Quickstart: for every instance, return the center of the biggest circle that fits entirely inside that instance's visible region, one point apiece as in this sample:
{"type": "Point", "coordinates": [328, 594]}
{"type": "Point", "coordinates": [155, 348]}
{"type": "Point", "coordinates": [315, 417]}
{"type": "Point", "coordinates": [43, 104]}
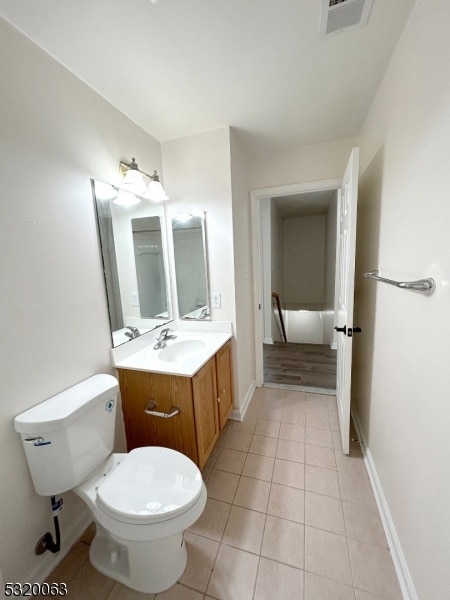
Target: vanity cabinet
{"type": "Point", "coordinates": [224, 383]}
{"type": "Point", "coordinates": [205, 401]}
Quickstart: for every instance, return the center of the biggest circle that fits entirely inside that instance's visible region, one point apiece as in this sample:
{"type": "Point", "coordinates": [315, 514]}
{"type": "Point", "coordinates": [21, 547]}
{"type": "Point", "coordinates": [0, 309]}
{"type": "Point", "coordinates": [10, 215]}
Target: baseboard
{"type": "Point", "coordinates": [50, 561]}
{"type": "Point", "coordinates": [268, 340]}
{"type": "Point", "coordinates": [238, 414]}
{"type": "Point", "coordinates": [401, 567]}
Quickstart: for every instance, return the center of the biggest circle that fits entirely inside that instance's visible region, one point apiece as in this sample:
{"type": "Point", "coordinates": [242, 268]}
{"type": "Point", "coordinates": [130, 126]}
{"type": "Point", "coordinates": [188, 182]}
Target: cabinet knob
{"type": "Point", "coordinates": [223, 392]}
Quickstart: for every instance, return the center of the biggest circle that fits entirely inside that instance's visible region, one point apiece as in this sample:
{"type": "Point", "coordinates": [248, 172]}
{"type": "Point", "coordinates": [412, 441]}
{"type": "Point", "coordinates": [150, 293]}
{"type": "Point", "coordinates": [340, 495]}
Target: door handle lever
{"type": "Point", "coordinates": [342, 329]}
{"type": "Point", "coordinates": [350, 330]}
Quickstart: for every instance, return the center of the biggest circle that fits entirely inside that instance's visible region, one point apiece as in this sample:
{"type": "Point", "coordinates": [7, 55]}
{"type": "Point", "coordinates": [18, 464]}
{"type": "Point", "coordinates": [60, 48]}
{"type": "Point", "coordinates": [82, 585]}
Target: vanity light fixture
{"type": "Point", "coordinates": [134, 182]}
{"type": "Point", "coordinates": [155, 190]}
{"type": "Point", "coordinates": [125, 198]}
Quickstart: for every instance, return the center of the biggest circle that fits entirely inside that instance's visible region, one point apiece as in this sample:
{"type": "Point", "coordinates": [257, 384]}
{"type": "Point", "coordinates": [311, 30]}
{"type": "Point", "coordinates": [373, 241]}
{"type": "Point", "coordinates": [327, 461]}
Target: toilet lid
{"type": "Point", "coordinates": [150, 484]}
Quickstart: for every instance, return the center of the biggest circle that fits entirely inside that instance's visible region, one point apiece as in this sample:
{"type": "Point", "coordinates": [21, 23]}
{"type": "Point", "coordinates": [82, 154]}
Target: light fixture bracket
{"type": "Point", "coordinates": [124, 167]}
{"type": "Point", "coordinates": [157, 194]}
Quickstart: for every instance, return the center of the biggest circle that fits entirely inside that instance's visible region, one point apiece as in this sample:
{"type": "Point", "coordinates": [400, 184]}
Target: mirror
{"type": "Point", "coordinates": [133, 247]}
{"type": "Point", "coordinates": [149, 261]}
{"type": "Point", "coordinates": [191, 272]}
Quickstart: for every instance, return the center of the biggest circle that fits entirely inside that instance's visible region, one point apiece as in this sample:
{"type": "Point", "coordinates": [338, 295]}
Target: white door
{"type": "Point", "coordinates": [345, 329]}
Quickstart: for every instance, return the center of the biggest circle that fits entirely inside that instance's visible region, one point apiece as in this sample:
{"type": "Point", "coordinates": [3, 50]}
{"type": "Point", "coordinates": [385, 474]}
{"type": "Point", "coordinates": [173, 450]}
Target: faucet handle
{"type": "Point", "coordinates": [165, 334]}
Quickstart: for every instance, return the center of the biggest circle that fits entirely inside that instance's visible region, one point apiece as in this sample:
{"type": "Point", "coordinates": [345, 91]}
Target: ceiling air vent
{"type": "Point", "coordinates": [340, 14]}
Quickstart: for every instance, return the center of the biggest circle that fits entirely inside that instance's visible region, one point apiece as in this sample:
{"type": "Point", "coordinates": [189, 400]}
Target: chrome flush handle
{"type": "Point", "coordinates": [37, 441]}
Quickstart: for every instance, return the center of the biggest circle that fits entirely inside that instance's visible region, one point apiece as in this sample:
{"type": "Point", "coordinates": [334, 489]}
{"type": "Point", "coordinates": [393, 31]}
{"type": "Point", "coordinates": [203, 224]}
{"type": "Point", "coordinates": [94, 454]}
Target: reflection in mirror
{"type": "Point", "coordinates": [134, 254]}
{"type": "Point", "coordinates": [149, 260]}
{"type": "Point", "coordinates": [191, 269]}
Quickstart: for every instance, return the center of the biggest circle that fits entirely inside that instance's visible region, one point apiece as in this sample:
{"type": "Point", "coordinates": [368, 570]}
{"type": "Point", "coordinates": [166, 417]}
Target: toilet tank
{"type": "Point", "coordinates": [66, 437]}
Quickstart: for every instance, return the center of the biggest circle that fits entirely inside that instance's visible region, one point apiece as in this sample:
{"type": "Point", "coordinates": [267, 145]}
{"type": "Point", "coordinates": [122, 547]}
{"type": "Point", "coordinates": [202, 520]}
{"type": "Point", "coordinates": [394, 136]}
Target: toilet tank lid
{"type": "Point", "coordinates": [60, 410]}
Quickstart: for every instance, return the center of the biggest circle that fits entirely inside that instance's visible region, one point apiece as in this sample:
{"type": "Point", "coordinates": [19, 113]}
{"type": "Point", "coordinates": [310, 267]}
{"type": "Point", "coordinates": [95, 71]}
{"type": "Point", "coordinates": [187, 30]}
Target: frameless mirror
{"type": "Point", "coordinates": [149, 261]}
{"type": "Point", "coordinates": [133, 247]}
{"type": "Point", "coordinates": [191, 267]}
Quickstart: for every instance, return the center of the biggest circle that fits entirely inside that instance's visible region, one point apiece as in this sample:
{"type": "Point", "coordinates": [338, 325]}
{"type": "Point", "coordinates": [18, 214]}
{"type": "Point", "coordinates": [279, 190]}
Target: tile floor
{"type": "Point", "coordinates": [288, 516]}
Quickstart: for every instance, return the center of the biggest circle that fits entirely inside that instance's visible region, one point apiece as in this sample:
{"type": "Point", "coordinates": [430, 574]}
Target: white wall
{"type": "Point", "coordinates": [278, 166]}
{"type": "Point", "coordinates": [275, 262]}
{"type": "Point", "coordinates": [245, 334]}
{"type": "Point", "coordinates": [206, 172]}
{"type": "Point", "coordinates": [307, 283]}
{"type": "Point", "coordinates": [330, 270]}
{"type": "Point", "coordinates": [304, 261]}
{"type": "Point", "coordinates": [56, 134]}
{"type": "Point", "coordinates": [401, 381]}
{"type": "Point", "coordinates": [198, 178]}
{"type": "Point", "coordinates": [266, 224]}
{"type": "Point", "coordinates": [330, 253]}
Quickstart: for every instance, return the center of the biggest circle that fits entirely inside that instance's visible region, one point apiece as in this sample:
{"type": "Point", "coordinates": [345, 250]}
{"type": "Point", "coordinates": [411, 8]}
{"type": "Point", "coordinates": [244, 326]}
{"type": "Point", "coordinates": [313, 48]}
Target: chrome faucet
{"type": "Point", "coordinates": [133, 333]}
{"type": "Point", "coordinates": [163, 337]}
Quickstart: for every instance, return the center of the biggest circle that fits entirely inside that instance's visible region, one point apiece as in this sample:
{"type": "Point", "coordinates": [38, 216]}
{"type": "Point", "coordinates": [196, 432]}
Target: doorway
{"type": "Point", "coordinates": [347, 199]}
{"type": "Point", "coordinates": [296, 243]}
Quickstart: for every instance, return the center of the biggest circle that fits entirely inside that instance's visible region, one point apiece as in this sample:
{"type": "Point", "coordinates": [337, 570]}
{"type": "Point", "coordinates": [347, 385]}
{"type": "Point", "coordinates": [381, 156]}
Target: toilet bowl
{"type": "Point", "coordinates": [141, 501]}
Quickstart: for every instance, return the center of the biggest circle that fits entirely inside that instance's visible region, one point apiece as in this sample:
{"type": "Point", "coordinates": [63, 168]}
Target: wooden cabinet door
{"type": "Point", "coordinates": [138, 388]}
{"type": "Point", "coordinates": [204, 387]}
{"type": "Point", "coordinates": [224, 383]}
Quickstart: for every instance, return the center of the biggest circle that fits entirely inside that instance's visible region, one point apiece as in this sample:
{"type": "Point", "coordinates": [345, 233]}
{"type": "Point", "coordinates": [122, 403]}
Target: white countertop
{"type": "Point", "coordinates": [184, 355]}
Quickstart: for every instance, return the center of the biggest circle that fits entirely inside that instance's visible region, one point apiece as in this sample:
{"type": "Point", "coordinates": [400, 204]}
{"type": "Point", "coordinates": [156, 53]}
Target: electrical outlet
{"type": "Point", "coordinates": [216, 300]}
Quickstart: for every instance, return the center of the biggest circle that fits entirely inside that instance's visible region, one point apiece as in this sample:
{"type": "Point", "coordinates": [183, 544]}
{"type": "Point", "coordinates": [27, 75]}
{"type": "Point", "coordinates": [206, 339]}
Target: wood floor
{"type": "Point", "coordinates": [300, 365]}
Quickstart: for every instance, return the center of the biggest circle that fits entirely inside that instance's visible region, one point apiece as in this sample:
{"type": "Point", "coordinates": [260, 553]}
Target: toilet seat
{"type": "Point", "coordinates": [150, 485]}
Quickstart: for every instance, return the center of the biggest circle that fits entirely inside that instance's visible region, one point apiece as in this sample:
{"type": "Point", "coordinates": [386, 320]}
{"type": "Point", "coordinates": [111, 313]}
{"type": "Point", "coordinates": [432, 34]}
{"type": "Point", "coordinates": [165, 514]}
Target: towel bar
{"type": "Point", "coordinates": [421, 285]}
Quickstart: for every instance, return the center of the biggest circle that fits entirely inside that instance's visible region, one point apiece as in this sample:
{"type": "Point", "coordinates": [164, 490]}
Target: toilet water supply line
{"type": "Point", "coordinates": [46, 542]}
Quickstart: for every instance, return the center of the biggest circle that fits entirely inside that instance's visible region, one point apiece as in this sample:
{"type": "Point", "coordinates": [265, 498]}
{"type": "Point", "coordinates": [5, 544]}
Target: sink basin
{"type": "Point", "coordinates": [182, 356]}
{"type": "Point", "coordinates": [181, 350]}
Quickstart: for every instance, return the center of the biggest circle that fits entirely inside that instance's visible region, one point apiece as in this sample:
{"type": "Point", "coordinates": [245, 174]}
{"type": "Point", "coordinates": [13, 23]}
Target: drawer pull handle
{"type": "Point", "coordinates": [174, 410]}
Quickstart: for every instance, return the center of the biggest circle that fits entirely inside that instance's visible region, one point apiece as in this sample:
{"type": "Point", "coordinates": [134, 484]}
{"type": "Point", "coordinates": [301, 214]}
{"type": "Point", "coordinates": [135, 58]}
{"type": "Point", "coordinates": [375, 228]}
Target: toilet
{"type": "Point", "coordinates": [141, 501]}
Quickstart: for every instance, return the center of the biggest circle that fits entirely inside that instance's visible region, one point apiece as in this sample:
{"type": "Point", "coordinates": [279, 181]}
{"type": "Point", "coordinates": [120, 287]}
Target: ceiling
{"type": "Point", "coordinates": [177, 67]}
